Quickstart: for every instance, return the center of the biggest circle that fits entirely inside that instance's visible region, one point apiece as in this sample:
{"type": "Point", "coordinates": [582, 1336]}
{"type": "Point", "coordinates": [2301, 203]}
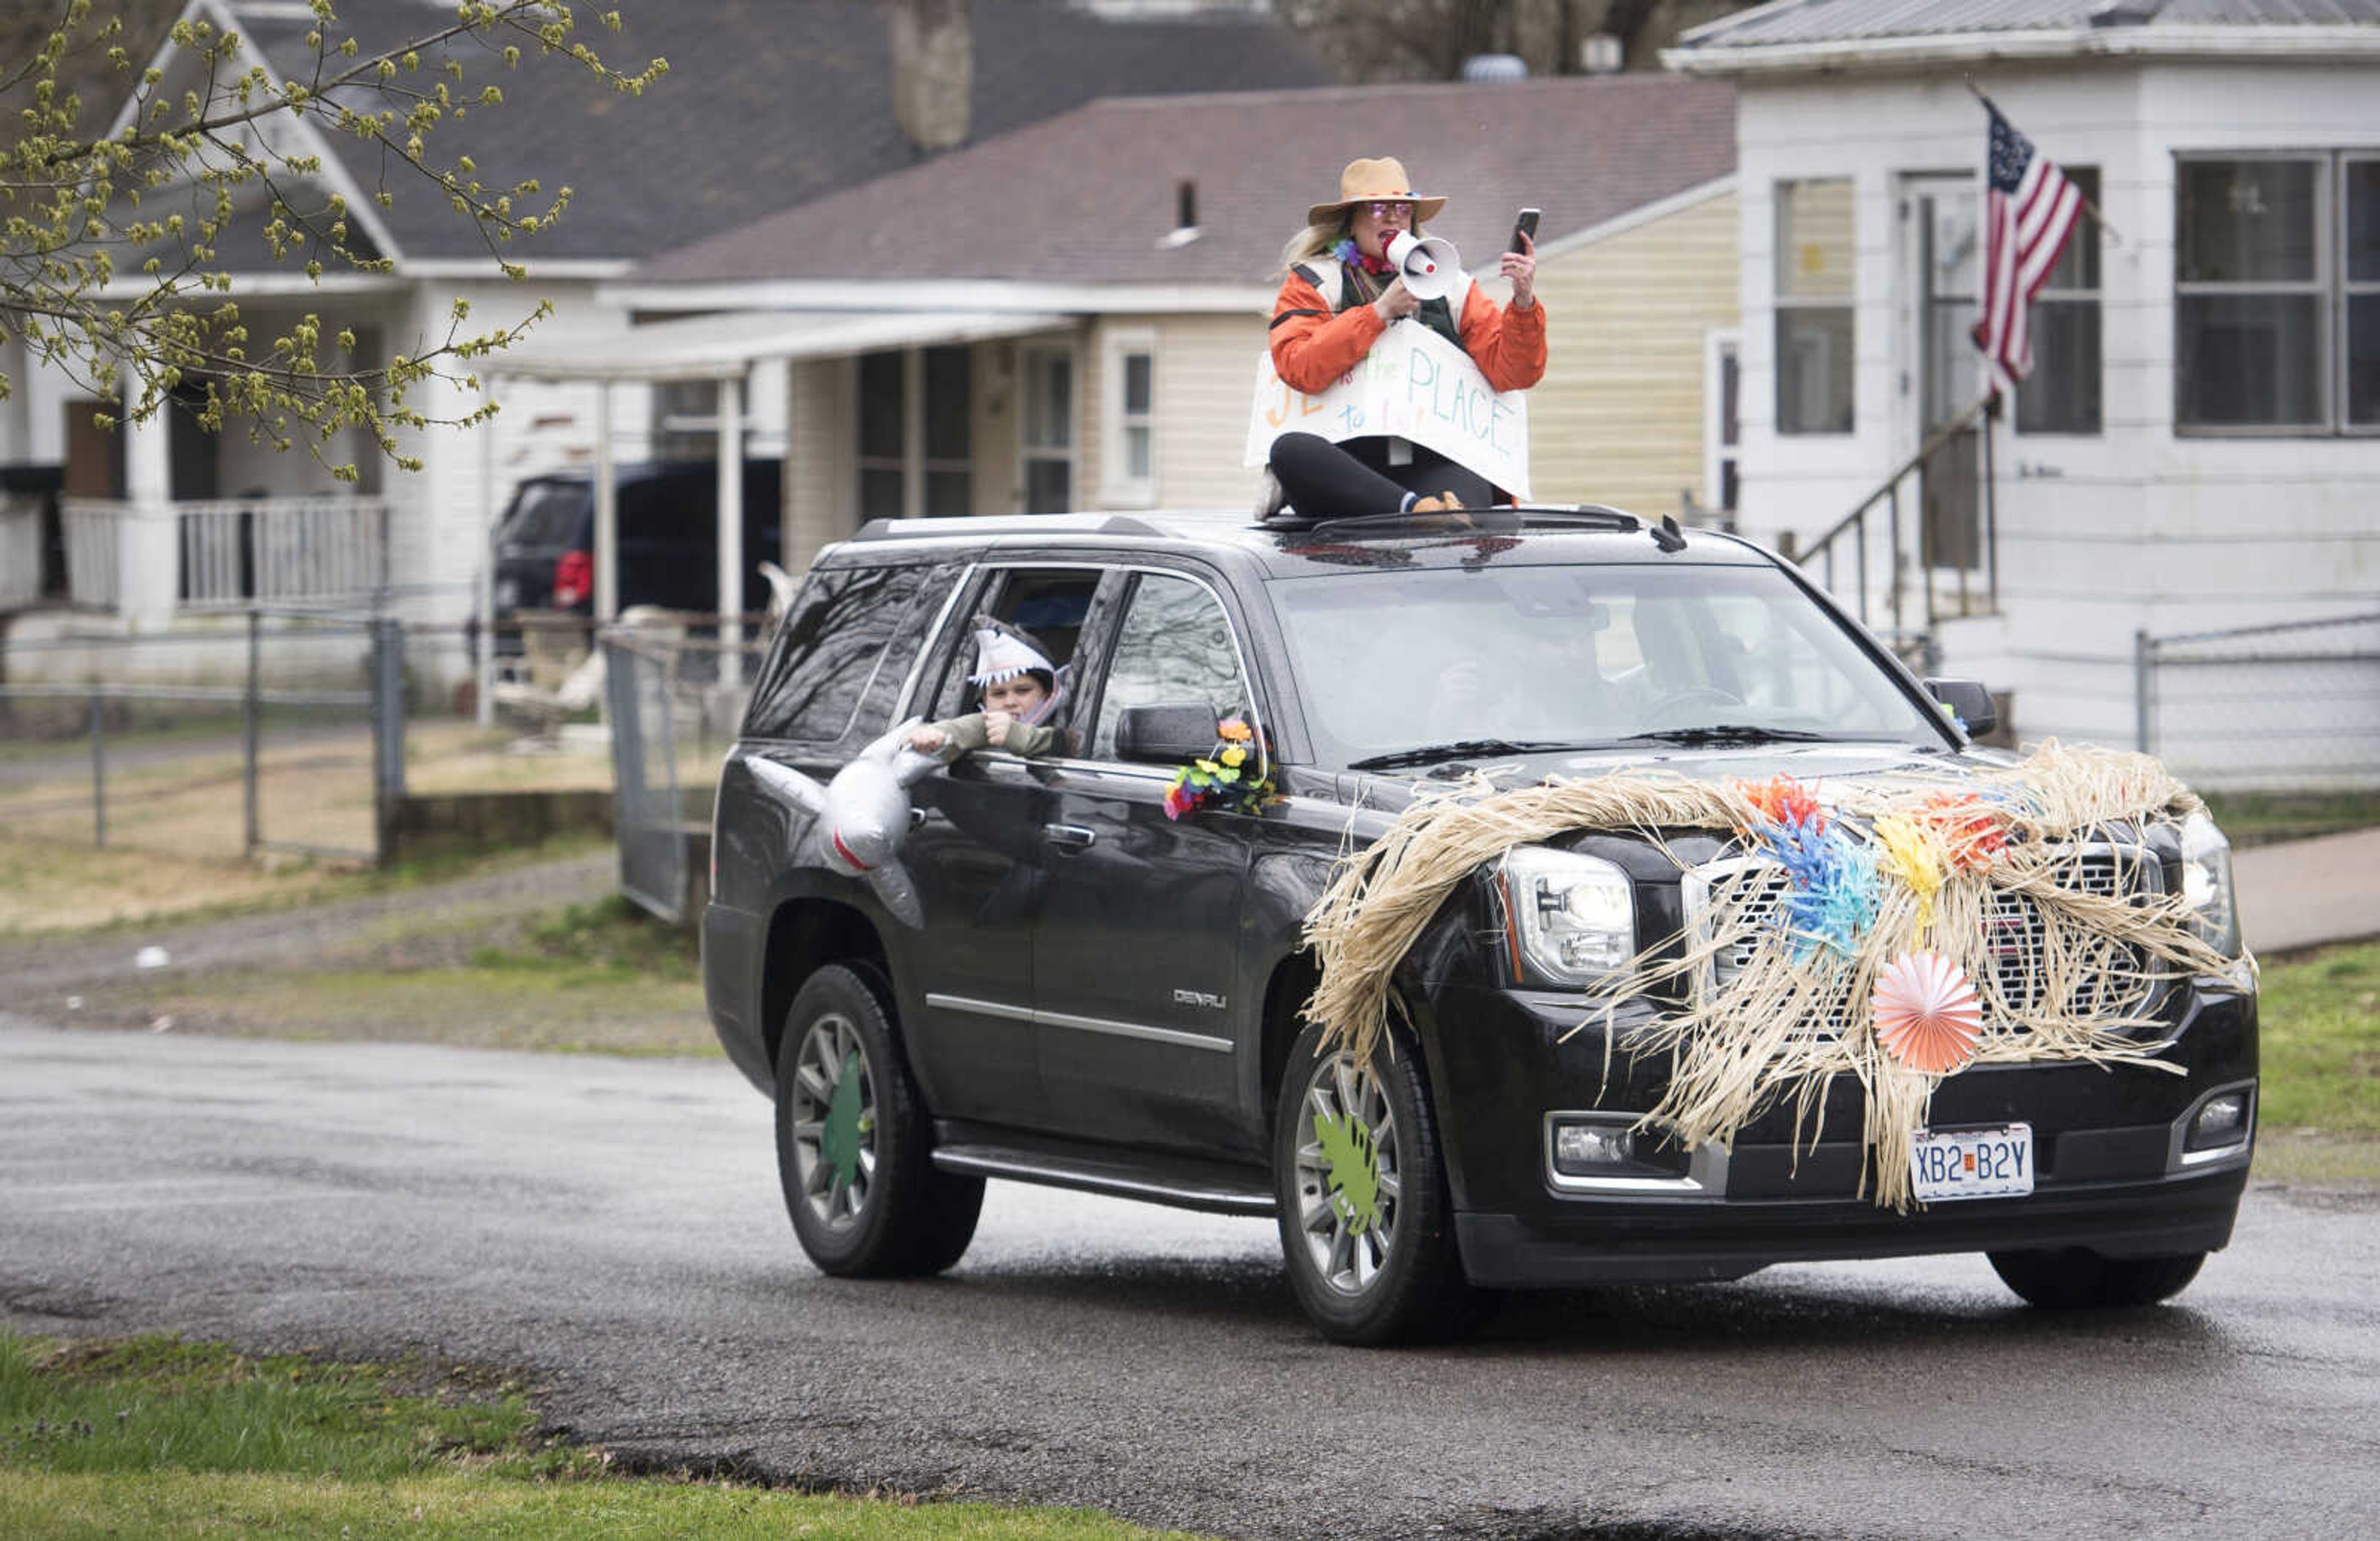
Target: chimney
{"type": "Point", "coordinates": [933, 71]}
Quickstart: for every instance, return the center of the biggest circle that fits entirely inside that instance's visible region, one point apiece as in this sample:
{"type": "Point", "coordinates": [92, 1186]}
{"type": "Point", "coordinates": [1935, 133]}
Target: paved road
{"type": "Point", "coordinates": [614, 1227]}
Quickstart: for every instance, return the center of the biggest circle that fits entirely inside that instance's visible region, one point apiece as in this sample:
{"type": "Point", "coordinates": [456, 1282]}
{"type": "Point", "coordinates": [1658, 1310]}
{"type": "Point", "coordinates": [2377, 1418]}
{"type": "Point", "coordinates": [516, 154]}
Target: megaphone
{"type": "Point", "coordinates": [1430, 263]}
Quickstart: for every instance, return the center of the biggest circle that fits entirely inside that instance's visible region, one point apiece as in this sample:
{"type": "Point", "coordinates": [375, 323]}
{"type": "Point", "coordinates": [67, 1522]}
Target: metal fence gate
{"type": "Point", "coordinates": [285, 734]}
{"type": "Point", "coordinates": [674, 711]}
{"type": "Point", "coordinates": [2287, 707]}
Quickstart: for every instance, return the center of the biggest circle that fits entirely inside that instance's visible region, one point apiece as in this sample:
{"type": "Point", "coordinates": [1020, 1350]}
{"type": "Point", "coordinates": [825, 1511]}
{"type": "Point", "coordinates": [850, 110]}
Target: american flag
{"type": "Point", "coordinates": [2029, 213]}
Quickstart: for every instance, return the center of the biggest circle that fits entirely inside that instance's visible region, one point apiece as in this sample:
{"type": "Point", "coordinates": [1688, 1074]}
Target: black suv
{"type": "Point", "coordinates": [1104, 998]}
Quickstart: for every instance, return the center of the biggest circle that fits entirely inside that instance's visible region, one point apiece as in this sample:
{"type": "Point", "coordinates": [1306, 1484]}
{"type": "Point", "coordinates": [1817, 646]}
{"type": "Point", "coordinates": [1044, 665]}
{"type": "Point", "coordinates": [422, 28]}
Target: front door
{"type": "Point", "coordinates": [1136, 955]}
{"type": "Point", "coordinates": [1943, 261]}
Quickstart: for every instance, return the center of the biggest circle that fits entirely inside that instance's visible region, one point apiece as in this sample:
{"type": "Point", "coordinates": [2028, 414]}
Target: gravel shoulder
{"type": "Point", "coordinates": [406, 965]}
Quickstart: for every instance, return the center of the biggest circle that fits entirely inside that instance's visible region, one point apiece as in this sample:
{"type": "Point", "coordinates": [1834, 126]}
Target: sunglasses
{"type": "Point", "coordinates": [1386, 211]}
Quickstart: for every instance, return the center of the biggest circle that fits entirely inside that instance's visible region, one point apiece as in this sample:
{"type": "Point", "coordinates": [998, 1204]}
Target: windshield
{"type": "Point", "coordinates": [544, 515]}
{"type": "Point", "coordinates": [1502, 659]}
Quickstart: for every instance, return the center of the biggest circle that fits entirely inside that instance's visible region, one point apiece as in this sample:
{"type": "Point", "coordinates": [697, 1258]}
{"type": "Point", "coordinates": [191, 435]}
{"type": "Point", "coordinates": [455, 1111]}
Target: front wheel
{"type": "Point", "coordinates": [852, 1147]}
{"type": "Point", "coordinates": [1366, 1220]}
{"type": "Point", "coordinates": [2075, 1279]}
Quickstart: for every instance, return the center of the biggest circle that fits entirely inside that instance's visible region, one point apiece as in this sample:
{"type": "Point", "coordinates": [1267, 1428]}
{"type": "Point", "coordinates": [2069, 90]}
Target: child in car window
{"type": "Point", "coordinates": [1020, 690]}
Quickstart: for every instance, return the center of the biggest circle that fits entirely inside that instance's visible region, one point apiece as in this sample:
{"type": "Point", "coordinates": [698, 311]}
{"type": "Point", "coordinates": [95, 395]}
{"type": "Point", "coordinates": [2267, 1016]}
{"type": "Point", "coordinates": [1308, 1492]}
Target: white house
{"type": "Point", "coordinates": [767, 103]}
{"type": "Point", "coordinates": [2199, 445]}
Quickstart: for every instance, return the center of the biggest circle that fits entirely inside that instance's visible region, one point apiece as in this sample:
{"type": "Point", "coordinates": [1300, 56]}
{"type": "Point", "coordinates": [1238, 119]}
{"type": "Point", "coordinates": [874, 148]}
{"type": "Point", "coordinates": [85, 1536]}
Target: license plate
{"type": "Point", "coordinates": [1973, 1163]}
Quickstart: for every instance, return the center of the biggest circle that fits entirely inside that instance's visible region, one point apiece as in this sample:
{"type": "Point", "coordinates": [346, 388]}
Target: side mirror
{"type": "Point", "coordinates": [1167, 733]}
{"type": "Point", "coordinates": [1971, 700]}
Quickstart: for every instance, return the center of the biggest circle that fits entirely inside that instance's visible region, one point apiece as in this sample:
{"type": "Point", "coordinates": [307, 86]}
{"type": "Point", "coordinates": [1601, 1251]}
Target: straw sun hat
{"type": "Point", "coordinates": [1382, 181]}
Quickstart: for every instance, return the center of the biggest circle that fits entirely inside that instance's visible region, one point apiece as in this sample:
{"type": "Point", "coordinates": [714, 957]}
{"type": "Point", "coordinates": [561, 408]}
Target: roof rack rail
{"type": "Point", "coordinates": [1005, 523]}
{"type": "Point", "coordinates": [1501, 521]}
{"type": "Point", "coordinates": [1594, 515]}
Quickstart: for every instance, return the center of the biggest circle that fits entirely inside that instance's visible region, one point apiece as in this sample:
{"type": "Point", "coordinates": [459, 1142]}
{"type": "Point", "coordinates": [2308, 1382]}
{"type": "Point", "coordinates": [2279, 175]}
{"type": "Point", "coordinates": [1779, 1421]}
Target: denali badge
{"type": "Point", "coordinates": [1198, 997]}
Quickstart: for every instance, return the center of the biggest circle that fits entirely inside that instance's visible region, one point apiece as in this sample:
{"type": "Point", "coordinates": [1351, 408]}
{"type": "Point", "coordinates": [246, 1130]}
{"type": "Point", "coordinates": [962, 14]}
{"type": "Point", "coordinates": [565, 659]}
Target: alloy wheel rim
{"type": "Point", "coordinates": [1350, 1174]}
{"type": "Point", "coordinates": [833, 1115]}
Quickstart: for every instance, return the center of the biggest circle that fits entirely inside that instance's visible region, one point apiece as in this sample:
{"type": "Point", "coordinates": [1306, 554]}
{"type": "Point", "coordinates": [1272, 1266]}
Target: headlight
{"type": "Point", "coordinates": [2206, 884]}
{"type": "Point", "coordinates": [1573, 918]}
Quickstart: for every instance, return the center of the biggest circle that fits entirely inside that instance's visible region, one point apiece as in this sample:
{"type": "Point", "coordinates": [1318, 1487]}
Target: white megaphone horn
{"type": "Point", "coordinates": [1430, 266]}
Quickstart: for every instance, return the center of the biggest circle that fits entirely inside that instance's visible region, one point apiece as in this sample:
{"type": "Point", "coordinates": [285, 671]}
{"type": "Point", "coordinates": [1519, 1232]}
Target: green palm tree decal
{"type": "Point", "coordinates": [839, 1140]}
{"type": "Point", "coordinates": [1354, 1171]}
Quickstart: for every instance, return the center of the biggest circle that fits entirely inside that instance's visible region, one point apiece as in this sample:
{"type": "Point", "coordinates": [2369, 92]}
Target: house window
{"type": "Point", "coordinates": [1045, 430]}
{"type": "Point", "coordinates": [2360, 177]}
{"type": "Point", "coordinates": [1722, 435]}
{"type": "Point", "coordinates": [1815, 256]}
{"type": "Point", "coordinates": [1129, 476]}
{"type": "Point", "coordinates": [2062, 396]}
{"type": "Point", "coordinates": [916, 416]}
{"type": "Point", "coordinates": [2277, 266]}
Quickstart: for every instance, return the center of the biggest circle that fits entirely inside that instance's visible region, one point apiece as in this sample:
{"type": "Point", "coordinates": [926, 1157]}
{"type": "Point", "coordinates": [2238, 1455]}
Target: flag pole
{"type": "Point", "coordinates": [2088, 207]}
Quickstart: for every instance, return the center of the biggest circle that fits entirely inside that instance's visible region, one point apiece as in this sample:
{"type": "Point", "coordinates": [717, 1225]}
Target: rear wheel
{"type": "Point", "coordinates": [851, 1148]}
{"type": "Point", "coordinates": [2075, 1279]}
{"type": "Point", "coordinates": [1366, 1221]}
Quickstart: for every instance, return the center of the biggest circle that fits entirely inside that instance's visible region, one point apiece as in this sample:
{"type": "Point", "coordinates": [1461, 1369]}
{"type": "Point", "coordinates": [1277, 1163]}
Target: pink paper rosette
{"type": "Point", "coordinates": [1926, 1012]}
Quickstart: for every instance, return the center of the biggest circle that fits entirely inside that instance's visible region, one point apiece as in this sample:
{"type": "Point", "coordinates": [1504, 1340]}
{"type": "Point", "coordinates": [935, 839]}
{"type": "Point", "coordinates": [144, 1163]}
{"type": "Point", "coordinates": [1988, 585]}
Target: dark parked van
{"type": "Point", "coordinates": [669, 538]}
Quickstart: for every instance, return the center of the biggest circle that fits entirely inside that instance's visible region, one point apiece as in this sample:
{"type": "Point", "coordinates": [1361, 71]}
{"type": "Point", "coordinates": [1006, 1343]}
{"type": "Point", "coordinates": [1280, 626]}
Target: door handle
{"type": "Point", "coordinates": [1073, 835]}
{"type": "Point", "coordinates": [917, 819]}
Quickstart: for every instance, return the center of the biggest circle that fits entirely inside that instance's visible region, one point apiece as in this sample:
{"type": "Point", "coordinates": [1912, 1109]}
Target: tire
{"type": "Point", "coordinates": [1366, 1220]}
{"type": "Point", "coordinates": [852, 1147]}
{"type": "Point", "coordinates": [2077, 1280]}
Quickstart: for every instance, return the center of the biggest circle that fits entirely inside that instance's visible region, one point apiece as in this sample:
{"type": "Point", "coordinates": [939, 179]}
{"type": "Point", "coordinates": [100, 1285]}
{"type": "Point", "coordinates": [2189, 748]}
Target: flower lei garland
{"type": "Point", "coordinates": [1884, 930]}
{"type": "Point", "coordinates": [1220, 778]}
{"type": "Point", "coordinates": [1351, 255]}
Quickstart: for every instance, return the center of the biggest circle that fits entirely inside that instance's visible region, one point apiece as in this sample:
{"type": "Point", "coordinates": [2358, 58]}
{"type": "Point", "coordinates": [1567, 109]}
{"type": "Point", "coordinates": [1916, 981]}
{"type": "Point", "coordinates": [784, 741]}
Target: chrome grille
{"type": "Point", "coordinates": [1762, 886]}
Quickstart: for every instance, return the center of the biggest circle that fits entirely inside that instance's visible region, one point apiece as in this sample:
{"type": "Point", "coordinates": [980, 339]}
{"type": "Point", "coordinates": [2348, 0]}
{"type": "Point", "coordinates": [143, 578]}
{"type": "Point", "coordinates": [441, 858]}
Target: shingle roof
{"type": "Point", "coordinates": [1804, 21]}
{"type": "Point", "coordinates": [1086, 197]}
{"type": "Point", "coordinates": [768, 103]}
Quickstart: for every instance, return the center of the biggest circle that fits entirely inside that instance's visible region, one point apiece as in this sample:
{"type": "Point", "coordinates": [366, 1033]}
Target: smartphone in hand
{"type": "Point", "coordinates": [1524, 225]}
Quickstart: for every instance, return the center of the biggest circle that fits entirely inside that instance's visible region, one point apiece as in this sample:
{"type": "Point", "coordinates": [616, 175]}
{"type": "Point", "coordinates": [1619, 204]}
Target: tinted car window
{"type": "Point", "coordinates": [833, 645]}
{"type": "Point", "coordinates": [1048, 606]}
{"type": "Point", "coordinates": [1583, 655]}
{"type": "Point", "coordinates": [545, 514]}
{"type": "Point", "coordinates": [1174, 645]}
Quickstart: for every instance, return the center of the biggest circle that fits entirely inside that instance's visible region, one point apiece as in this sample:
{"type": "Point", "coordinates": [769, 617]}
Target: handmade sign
{"type": "Point", "coordinates": [1878, 961]}
{"type": "Point", "coordinates": [1417, 385]}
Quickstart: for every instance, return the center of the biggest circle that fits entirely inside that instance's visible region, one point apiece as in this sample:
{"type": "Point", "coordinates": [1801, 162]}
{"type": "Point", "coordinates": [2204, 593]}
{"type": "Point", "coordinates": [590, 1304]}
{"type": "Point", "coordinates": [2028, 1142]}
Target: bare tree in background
{"type": "Point", "coordinates": [1428, 40]}
{"type": "Point", "coordinates": [113, 265]}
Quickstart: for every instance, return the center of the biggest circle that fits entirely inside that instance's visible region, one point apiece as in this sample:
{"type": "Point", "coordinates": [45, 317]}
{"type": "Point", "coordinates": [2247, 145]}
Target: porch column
{"type": "Point", "coordinates": [731, 531]}
{"type": "Point", "coordinates": [147, 549]}
{"type": "Point", "coordinates": [607, 512]}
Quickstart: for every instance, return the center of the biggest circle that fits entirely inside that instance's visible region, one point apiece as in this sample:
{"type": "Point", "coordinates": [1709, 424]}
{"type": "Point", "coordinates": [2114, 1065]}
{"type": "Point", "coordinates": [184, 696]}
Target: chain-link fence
{"type": "Point", "coordinates": [281, 732]}
{"type": "Point", "coordinates": [674, 697]}
{"type": "Point", "coordinates": [2288, 708]}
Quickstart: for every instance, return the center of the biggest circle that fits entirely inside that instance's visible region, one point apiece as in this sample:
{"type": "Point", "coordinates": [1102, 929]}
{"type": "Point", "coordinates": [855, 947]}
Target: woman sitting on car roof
{"type": "Point", "coordinates": [1341, 295]}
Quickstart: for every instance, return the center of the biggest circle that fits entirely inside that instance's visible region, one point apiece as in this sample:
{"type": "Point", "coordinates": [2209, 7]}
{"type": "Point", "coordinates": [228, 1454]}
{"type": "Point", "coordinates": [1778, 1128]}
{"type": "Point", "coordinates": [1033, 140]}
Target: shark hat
{"type": "Point", "coordinates": [1003, 652]}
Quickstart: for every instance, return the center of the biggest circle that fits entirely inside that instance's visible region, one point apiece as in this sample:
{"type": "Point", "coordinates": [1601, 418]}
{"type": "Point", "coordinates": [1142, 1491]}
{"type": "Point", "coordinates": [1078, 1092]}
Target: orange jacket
{"type": "Point", "coordinates": [1311, 347]}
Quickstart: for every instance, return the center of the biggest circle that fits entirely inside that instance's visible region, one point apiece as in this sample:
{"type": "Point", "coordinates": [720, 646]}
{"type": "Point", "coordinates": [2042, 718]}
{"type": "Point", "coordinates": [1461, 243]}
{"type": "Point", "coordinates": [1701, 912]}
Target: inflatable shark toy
{"type": "Point", "coordinates": [858, 819]}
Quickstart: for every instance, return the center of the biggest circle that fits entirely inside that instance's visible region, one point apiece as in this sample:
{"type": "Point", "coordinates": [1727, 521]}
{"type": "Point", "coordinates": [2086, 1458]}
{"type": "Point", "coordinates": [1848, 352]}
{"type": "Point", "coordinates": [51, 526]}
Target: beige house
{"type": "Point", "coordinates": [1071, 316]}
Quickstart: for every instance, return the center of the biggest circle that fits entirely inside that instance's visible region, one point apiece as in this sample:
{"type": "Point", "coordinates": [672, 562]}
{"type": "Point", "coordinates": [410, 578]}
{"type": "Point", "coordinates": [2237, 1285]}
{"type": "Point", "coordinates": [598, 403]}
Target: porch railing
{"type": "Point", "coordinates": [21, 550]}
{"type": "Point", "coordinates": [235, 551]}
{"type": "Point", "coordinates": [313, 548]}
{"type": "Point", "coordinates": [1911, 585]}
{"type": "Point", "coordinates": [90, 526]}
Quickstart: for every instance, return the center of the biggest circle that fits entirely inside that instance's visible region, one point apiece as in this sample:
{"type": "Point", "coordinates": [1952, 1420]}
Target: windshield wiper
{"type": "Point", "coordinates": [1428, 753]}
{"type": "Point", "coordinates": [1727, 732]}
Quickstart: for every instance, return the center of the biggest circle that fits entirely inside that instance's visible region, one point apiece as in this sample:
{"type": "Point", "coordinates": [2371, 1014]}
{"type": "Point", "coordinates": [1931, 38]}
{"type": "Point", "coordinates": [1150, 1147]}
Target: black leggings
{"type": "Point", "coordinates": [1323, 480]}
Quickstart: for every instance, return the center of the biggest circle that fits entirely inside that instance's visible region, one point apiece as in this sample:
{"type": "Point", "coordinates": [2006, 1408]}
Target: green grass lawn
{"type": "Point", "coordinates": [156, 1437]}
{"type": "Point", "coordinates": [2320, 1019]}
{"type": "Point", "coordinates": [2263, 818]}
